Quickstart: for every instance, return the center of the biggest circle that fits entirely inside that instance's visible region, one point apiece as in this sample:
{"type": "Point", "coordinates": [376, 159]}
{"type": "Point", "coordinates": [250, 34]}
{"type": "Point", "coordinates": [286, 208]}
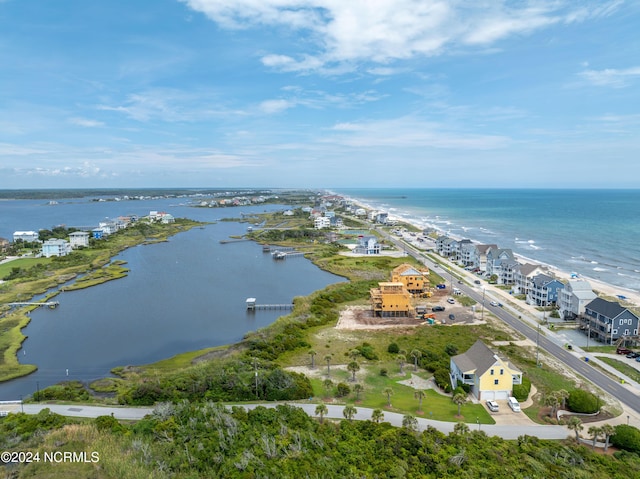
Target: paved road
{"type": "Point", "coordinates": [335, 412]}
{"type": "Point", "coordinates": [551, 344]}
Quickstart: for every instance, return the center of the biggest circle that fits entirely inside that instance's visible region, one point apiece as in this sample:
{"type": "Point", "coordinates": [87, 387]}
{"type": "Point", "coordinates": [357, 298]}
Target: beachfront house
{"type": "Point", "coordinates": [55, 247]}
{"type": "Point", "coordinates": [488, 375]}
{"type": "Point", "coordinates": [502, 263]}
{"type": "Point", "coordinates": [573, 298]}
{"type": "Point", "coordinates": [523, 278]}
{"type": "Point", "coordinates": [479, 260]}
{"type": "Point", "coordinates": [321, 222]}
{"type": "Point", "coordinates": [415, 281]}
{"type": "Point", "coordinates": [367, 245]}
{"type": "Point", "coordinates": [608, 321]}
{"type": "Point", "coordinates": [79, 239]}
{"type": "Point", "coordinates": [391, 299]}
{"type": "Point", "coordinates": [445, 246]}
{"type": "Point", "coordinates": [26, 236]}
{"type": "Point", "coordinates": [466, 253]}
{"type": "Point", "coordinates": [544, 290]}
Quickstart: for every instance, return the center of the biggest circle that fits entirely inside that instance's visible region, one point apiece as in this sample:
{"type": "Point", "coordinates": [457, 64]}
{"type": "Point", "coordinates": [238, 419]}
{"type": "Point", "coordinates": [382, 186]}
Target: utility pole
{"type": "Point", "coordinates": [538, 347]}
{"type": "Point", "coordinates": [482, 314]}
{"type": "Point", "coordinates": [255, 370]}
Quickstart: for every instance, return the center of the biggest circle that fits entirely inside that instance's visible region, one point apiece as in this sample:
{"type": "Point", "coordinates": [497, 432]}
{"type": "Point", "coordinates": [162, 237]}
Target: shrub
{"type": "Point", "coordinates": [343, 390]}
{"type": "Point", "coordinates": [465, 387]}
{"type": "Point", "coordinates": [441, 377]}
{"type": "Point", "coordinates": [367, 352]}
{"type": "Point", "coordinates": [583, 401]}
{"type": "Point", "coordinates": [521, 391]}
{"type": "Point", "coordinates": [627, 438]}
{"type": "Point", "coordinates": [451, 349]}
{"type": "Point", "coordinates": [384, 372]}
{"type": "Point", "coordinates": [393, 348]}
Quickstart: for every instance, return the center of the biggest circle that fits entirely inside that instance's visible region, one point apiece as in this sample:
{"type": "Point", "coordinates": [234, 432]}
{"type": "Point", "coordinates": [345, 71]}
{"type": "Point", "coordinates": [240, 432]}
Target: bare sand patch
{"type": "Point", "coordinates": [361, 317]}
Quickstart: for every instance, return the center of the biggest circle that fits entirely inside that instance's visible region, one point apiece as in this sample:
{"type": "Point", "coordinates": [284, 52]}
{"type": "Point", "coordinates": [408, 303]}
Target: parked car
{"type": "Point", "coordinates": [451, 301]}
{"type": "Point", "coordinates": [493, 303]}
{"type": "Point", "coordinates": [477, 281]}
{"type": "Point", "coordinates": [437, 308]}
{"type": "Point", "coordinates": [633, 355]}
{"type": "Point", "coordinates": [493, 406]}
{"type": "Point", "coordinates": [441, 286]}
{"type": "Point", "coordinates": [452, 317]}
{"type": "Point", "coordinates": [623, 351]}
{"type": "Point", "coordinates": [638, 359]}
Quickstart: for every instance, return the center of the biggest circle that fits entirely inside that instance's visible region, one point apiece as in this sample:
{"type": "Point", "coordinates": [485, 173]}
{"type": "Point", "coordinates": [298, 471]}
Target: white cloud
{"type": "Point", "coordinates": [85, 122]}
{"type": "Point", "coordinates": [611, 77]}
{"type": "Point", "coordinates": [350, 31]}
{"type": "Point", "coordinates": [276, 106]}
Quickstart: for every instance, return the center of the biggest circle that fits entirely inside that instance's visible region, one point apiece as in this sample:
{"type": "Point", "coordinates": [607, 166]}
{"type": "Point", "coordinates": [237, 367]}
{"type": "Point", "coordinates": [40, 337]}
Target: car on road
{"type": "Point", "coordinates": [437, 308]}
{"type": "Point", "coordinates": [477, 281]}
{"type": "Point", "coordinates": [451, 301]}
{"type": "Point", "coordinates": [493, 406]}
{"type": "Point", "coordinates": [493, 303]}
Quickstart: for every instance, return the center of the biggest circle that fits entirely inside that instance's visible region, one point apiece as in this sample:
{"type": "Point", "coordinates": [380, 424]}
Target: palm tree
{"type": "Point", "coordinates": [349, 412]}
{"type": "Point", "coordinates": [562, 395]}
{"type": "Point", "coordinates": [419, 395]}
{"type": "Point", "coordinates": [410, 422]}
{"type": "Point", "coordinates": [377, 415]}
{"type": "Point", "coordinates": [354, 367]}
{"type": "Point", "coordinates": [415, 354]}
{"type": "Point", "coordinates": [389, 393]}
{"type": "Point", "coordinates": [353, 354]}
{"type": "Point", "coordinates": [358, 388]}
{"type": "Point", "coordinates": [594, 432]}
{"type": "Point", "coordinates": [552, 400]}
{"type": "Point", "coordinates": [607, 431]}
{"type": "Point", "coordinates": [321, 410]}
{"type": "Point", "coordinates": [327, 358]}
{"type": "Point", "coordinates": [328, 385]}
{"type": "Point", "coordinates": [459, 399]}
{"type": "Point", "coordinates": [401, 359]}
{"type": "Point", "coordinates": [312, 353]}
{"type": "Point", "coordinates": [575, 424]}
{"type": "Point", "coordinates": [461, 428]}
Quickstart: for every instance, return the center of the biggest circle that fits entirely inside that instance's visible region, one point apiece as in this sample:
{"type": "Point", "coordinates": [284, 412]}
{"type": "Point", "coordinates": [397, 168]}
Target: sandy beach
{"type": "Point", "coordinates": [631, 297]}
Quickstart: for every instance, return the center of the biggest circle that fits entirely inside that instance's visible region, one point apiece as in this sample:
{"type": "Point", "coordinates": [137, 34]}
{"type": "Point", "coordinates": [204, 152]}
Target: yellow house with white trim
{"type": "Point", "coordinates": [489, 375]}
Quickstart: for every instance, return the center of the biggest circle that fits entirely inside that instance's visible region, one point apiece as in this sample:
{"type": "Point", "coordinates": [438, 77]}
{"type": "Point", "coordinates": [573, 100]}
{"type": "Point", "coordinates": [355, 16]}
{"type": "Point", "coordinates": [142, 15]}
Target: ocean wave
{"type": "Point", "coordinates": [600, 269]}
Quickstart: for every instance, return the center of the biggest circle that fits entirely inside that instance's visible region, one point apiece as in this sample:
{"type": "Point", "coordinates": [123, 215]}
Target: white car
{"type": "Point", "coordinates": [493, 303]}
{"type": "Point", "coordinates": [451, 301]}
{"type": "Point", "coordinates": [493, 406]}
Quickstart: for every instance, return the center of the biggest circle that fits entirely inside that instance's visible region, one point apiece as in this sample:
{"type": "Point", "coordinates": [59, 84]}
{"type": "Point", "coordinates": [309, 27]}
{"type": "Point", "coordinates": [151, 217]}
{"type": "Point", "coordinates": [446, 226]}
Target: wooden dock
{"type": "Point", "coordinates": [252, 306]}
{"type": "Point", "coordinates": [51, 304]}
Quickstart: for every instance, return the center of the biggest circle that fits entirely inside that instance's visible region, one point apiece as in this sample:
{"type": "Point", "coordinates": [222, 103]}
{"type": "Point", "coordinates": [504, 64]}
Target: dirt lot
{"type": "Point", "coordinates": [361, 317]}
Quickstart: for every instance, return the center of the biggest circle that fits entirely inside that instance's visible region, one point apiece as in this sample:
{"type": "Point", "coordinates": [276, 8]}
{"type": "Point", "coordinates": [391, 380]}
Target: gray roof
{"type": "Point", "coordinates": [609, 309]}
{"type": "Point", "coordinates": [576, 285]}
{"type": "Point", "coordinates": [483, 248]}
{"type": "Point", "coordinates": [478, 357]}
{"type": "Point", "coordinates": [528, 268]}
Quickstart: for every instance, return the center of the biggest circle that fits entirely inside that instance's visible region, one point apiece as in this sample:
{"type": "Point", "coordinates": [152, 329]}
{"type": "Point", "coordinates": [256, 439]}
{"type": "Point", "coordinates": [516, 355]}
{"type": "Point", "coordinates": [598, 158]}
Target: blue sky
{"type": "Point", "coordinates": [319, 93]}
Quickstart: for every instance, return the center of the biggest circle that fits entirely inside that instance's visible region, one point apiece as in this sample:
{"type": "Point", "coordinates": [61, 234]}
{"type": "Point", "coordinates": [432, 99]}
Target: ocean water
{"type": "Point", "coordinates": [595, 233]}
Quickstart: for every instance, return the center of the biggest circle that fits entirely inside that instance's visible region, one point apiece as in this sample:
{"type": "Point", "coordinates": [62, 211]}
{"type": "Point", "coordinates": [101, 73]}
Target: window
{"type": "Point", "coordinates": [491, 372]}
{"type": "Point", "coordinates": [501, 372]}
{"type": "Point", "coordinates": [496, 381]}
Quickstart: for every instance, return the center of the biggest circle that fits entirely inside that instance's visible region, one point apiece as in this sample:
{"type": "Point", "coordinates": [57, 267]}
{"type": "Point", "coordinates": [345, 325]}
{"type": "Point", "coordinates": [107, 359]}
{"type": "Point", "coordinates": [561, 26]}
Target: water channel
{"type": "Point", "coordinates": [182, 295]}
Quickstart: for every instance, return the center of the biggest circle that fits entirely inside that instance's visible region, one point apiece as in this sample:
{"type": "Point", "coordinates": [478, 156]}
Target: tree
{"type": "Point", "coordinates": [594, 432]}
{"type": "Point", "coordinates": [327, 358]}
{"type": "Point", "coordinates": [358, 388]}
{"type": "Point", "coordinates": [551, 400]}
{"type": "Point", "coordinates": [401, 360]}
{"type": "Point", "coordinates": [321, 410]}
{"type": "Point", "coordinates": [377, 415]}
{"type": "Point", "coordinates": [416, 354]}
{"type": "Point", "coordinates": [354, 367]}
{"type": "Point", "coordinates": [389, 393]}
{"type": "Point", "coordinates": [312, 353]}
{"type": "Point", "coordinates": [461, 429]}
{"type": "Point", "coordinates": [575, 424]}
{"type": "Point", "coordinates": [328, 385]}
{"type": "Point", "coordinates": [343, 390]}
{"type": "Point", "coordinates": [459, 399]}
{"type": "Point", "coordinates": [419, 395]}
{"type": "Point", "coordinates": [349, 412]}
{"type": "Point", "coordinates": [607, 431]}
{"type": "Point", "coordinates": [353, 354]}
{"type": "Point", "coordinates": [409, 422]}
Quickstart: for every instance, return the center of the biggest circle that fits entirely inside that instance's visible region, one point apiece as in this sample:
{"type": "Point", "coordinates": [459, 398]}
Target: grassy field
{"type": "Point", "coordinates": [621, 366]}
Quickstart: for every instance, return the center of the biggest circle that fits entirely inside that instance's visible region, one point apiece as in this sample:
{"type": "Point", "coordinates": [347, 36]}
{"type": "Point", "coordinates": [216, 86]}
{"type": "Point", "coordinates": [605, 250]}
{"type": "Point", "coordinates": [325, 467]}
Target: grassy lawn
{"type": "Point", "coordinates": [621, 366]}
{"type": "Point", "coordinates": [434, 405]}
{"type": "Point", "coordinates": [25, 263]}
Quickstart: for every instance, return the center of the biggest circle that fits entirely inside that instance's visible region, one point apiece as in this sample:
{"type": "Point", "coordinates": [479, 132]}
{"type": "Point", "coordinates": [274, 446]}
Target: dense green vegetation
{"type": "Point", "coordinates": [193, 440]}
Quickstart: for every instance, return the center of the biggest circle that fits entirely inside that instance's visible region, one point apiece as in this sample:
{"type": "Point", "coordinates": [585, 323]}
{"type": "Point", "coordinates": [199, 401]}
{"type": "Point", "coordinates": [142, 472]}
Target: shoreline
{"type": "Point", "coordinates": [631, 296]}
